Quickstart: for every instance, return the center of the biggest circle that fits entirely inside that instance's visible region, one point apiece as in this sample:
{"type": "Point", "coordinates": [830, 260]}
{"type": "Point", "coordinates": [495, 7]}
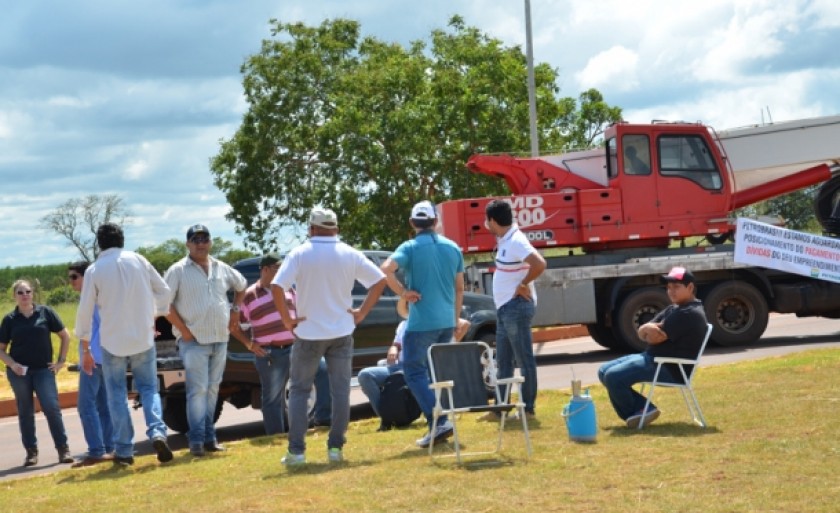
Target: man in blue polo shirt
{"type": "Point", "coordinates": [434, 277]}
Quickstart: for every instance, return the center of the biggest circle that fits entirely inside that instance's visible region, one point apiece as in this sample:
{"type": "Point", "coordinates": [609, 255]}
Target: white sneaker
{"type": "Point", "coordinates": [633, 421]}
{"type": "Point", "coordinates": [334, 455]}
{"type": "Point", "coordinates": [442, 432]}
{"type": "Point", "coordinates": [293, 460]}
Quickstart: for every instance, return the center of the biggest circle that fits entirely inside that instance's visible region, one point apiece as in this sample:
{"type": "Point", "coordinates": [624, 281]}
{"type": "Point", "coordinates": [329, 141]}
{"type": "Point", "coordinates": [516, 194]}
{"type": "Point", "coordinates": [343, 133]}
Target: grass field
{"type": "Point", "coordinates": [772, 445]}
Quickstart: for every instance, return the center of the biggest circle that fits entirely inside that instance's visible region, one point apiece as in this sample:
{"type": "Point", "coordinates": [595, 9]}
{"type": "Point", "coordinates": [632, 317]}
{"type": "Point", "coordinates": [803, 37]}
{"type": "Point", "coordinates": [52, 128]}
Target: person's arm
{"type": "Point", "coordinates": [87, 359]}
{"type": "Point", "coordinates": [175, 318]}
{"type": "Point", "coordinates": [461, 325]}
{"type": "Point", "coordinates": [536, 266]}
{"type": "Point", "coordinates": [373, 293]}
{"type": "Point", "coordinates": [10, 363]}
{"type": "Point", "coordinates": [390, 267]}
{"type": "Point", "coordinates": [235, 309]}
{"type": "Point", "coordinates": [64, 336]}
{"type": "Point", "coordinates": [652, 333]}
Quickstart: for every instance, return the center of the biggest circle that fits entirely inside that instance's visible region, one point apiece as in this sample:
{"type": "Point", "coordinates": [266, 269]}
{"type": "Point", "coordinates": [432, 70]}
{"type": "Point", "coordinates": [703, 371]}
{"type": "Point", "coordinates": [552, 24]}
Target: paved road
{"type": "Point", "coordinates": [558, 361]}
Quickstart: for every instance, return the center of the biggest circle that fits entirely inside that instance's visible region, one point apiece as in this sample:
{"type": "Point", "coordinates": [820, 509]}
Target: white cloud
{"type": "Point", "coordinates": [614, 66]}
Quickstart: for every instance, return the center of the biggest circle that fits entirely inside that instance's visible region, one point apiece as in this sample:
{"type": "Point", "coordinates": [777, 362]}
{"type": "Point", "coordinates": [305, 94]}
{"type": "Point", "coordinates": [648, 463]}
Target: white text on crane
{"type": "Point", "coordinates": [527, 210]}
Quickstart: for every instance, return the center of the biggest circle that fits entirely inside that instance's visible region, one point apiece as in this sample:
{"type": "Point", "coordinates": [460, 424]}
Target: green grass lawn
{"type": "Point", "coordinates": [772, 445]}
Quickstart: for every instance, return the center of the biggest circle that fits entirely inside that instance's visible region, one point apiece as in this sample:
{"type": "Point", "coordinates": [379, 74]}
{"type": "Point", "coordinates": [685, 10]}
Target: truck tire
{"type": "Point", "coordinates": [175, 412]}
{"type": "Point", "coordinates": [637, 308]}
{"type": "Point", "coordinates": [737, 312]}
{"type": "Point", "coordinates": [603, 336]}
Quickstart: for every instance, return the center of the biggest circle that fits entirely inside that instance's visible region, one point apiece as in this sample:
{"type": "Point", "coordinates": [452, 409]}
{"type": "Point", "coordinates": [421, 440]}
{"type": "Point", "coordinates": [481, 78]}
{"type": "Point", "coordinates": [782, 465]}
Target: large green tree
{"type": "Point", "coordinates": [368, 128]}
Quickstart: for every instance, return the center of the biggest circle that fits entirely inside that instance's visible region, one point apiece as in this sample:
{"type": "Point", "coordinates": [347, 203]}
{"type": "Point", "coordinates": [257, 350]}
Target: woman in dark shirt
{"type": "Point", "coordinates": [26, 349]}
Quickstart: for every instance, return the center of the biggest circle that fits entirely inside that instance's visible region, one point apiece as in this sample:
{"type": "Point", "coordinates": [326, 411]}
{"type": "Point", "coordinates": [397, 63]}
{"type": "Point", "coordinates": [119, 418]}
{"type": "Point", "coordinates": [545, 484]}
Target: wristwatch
{"type": "Point", "coordinates": [235, 308]}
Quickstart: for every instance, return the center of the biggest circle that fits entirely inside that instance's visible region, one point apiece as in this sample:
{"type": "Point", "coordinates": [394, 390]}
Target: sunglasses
{"type": "Point", "coordinates": [200, 240]}
{"type": "Point", "coordinates": [73, 277]}
{"type": "Point", "coordinates": [24, 292]}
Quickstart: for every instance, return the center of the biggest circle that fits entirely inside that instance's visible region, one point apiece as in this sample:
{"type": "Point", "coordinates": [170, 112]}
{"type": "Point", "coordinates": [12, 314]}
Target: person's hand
{"type": "Point", "coordinates": [358, 317]}
{"type": "Point", "coordinates": [17, 369]}
{"type": "Point", "coordinates": [412, 296]}
{"type": "Point", "coordinates": [523, 291]}
{"type": "Point", "coordinates": [292, 323]}
{"type": "Point", "coordinates": [393, 354]}
{"type": "Point", "coordinates": [187, 336]}
{"type": "Point", "coordinates": [461, 329]}
{"type": "Point", "coordinates": [257, 349]}
{"type": "Point", "coordinates": [87, 363]}
{"type": "Point", "coordinates": [56, 366]}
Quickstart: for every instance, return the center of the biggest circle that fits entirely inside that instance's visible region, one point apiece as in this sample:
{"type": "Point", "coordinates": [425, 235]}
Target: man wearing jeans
{"type": "Point", "coordinates": [201, 320]}
{"type": "Point", "coordinates": [323, 271]}
{"type": "Point", "coordinates": [129, 294]}
{"type": "Point", "coordinates": [518, 264]}
{"type": "Point", "coordinates": [434, 287]}
{"type": "Point", "coordinates": [92, 402]}
{"type": "Point", "coordinates": [677, 331]}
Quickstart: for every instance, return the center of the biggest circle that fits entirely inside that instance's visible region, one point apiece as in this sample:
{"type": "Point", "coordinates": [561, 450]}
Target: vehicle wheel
{"type": "Point", "coordinates": [718, 238]}
{"type": "Point", "coordinates": [603, 336]}
{"type": "Point", "coordinates": [639, 307]}
{"type": "Point", "coordinates": [827, 206]}
{"type": "Point", "coordinates": [488, 337]}
{"type": "Point", "coordinates": [175, 413]}
{"type": "Point", "coordinates": [737, 312]}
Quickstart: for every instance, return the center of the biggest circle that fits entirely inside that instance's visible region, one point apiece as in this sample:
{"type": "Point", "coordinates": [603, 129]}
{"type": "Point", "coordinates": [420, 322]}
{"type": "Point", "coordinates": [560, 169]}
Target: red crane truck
{"type": "Point", "coordinates": [623, 205]}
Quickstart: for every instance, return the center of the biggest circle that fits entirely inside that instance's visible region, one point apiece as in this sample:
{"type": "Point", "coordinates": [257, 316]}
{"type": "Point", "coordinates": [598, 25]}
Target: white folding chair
{"type": "Point", "coordinates": [460, 386]}
{"type": "Point", "coordinates": [685, 387]}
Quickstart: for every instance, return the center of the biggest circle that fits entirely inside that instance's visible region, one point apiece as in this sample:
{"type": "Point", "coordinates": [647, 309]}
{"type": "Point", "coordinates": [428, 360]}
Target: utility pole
{"type": "Point", "coordinates": [532, 94]}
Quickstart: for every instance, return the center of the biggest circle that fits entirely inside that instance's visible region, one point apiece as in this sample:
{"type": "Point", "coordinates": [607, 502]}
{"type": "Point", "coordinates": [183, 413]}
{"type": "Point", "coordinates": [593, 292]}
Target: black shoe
{"type": "Point", "coordinates": [164, 453]}
{"type": "Point", "coordinates": [197, 450]}
{"type": "Point", "coordinates": [124, 461]}
{"type": "Point", "coordinates": [31, 457]}
{"type": "Point", "coordinates": [315, 423]}
{"type": "Point", "coordinates": [64, 455]}
{"type": "Point", "coordinates": [214, 447]}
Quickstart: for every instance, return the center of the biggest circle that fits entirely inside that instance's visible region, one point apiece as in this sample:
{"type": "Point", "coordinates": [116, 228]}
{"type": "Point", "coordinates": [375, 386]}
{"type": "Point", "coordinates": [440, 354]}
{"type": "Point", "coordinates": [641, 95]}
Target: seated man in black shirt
{"type": "Point", "coordinates": [677, 331]}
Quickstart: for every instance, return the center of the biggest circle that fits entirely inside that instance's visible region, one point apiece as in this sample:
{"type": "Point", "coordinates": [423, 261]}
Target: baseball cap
{"type": "Point", "coordinates": [423, 210]}
{"type": "Point", "coordinates": [269, 259]}
{"type": "Point", "coordinates": [679, 275]}
{"type": "Point", "coordinates": [323, 217]}
{"type": "Point", "coordinates": [197, 228]}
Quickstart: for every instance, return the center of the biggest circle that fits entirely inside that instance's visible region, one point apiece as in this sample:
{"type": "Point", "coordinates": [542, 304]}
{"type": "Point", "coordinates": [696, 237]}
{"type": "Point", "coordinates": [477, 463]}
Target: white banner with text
{"type": "Point", "coordinates": [806, 254]}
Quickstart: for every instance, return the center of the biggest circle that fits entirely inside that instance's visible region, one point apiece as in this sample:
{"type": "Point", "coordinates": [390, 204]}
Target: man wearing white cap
{"type": "Point", "coordinates": [323, 271]}
{"type": "Point", "coordinates": [434, 287]}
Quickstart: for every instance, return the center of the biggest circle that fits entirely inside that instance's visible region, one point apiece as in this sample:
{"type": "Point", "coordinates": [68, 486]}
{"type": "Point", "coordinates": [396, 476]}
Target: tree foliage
{"type": "Point", "coordinates": [368, 128]}
{"type": "Point", "coordinates": [77, 220]}
{"type": "Point", "coordinates": [795, 208]}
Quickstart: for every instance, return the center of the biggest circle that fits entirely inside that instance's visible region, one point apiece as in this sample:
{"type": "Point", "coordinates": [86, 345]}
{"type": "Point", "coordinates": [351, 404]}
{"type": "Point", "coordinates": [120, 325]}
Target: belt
{"type": "Point", "coordinates": [279, 343]}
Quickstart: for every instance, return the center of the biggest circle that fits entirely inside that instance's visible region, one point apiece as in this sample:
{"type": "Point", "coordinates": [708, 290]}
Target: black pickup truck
{"type": "Point", "coordinates": [241, 384]}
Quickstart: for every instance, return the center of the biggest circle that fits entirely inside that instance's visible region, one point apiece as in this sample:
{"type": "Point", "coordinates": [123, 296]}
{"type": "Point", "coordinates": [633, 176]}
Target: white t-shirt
{"type": "Point", "coordinates": [323, 271]}
{"type": "Point", "coordinates": [513, 249]}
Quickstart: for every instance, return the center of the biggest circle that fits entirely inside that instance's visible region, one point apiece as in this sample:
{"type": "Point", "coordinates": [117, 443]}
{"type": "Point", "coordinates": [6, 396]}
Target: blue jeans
{"type": "Point", "coordinates": [416, 366]}
{"type": "Point", "coordinates": [93, 412]}
{"type": "Point", "coordinates": [40, 382]}
{"type": "Point", "coordinates": [144, 372]}
{"type": "Point", "coordinates": [306, 358]}
{"type": "Point", "coordinates": [619, 376]}
{"type": "Point", "coordinates": [274, 373]}
{"type": "Point", "coordinates": [514, 345]}
{"type": "Point", "coordinates": [371, 380]}
{"type": "Point", "coordinates": [203, 365]}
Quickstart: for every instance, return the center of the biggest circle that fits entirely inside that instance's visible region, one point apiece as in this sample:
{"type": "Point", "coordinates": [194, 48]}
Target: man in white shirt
{"type": "Point", "coordinates": [518, 264]}
{"type": "Point", "coordinates": [129, 294]}
{"type": "Point", "coordinates": [323, 271]}
{"type": "Point", "coordinates": [201, 318]}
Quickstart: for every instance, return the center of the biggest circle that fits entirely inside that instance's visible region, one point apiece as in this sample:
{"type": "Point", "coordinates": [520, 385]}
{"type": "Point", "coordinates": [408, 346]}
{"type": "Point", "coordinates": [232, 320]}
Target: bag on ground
{"type": "Point", "coordinates": [397, 405]}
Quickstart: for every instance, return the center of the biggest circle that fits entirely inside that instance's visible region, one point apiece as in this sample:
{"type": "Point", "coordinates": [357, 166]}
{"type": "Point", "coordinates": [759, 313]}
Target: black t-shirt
{"type": "Point", "coordinates": [685, 326]}
{"type": "Point", "coordinates": [30, 336]}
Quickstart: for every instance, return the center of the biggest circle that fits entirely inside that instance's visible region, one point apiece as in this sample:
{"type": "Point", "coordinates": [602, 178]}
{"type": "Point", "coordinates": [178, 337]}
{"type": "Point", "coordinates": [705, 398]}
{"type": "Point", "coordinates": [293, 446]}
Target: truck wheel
{"type": "Point", "coordinates": [603, 336]}
{"type": "Point", "coordinates": [175, 413]}
{"type": "Point", "coordinates": [737, 312]}
{"type": "Point", "coordinates": [488, 337]}
{"type": "Point", "coordinates": [639, 307]}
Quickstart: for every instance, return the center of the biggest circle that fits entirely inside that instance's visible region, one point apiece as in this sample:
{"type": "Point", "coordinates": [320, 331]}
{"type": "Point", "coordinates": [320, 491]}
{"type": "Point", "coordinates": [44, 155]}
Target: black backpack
{"type": "Point", "coordinates": [397, 405]}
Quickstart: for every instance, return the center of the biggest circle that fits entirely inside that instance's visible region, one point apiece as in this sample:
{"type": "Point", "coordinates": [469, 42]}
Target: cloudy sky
{"type": "Point", "coordinates": [131, 98]}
